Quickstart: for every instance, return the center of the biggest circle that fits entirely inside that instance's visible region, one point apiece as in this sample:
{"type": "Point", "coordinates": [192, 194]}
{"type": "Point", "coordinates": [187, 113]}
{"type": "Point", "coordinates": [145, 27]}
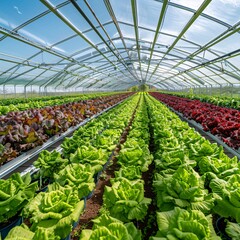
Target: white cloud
{"type": "Point", "coordinates": [225, 10]}
{"type": "Point", "coordinates": [235, 3]}
{"type": "Point", "coordinates": [191, 4]}
{"type": "Point", "coordinates": [17, 10]}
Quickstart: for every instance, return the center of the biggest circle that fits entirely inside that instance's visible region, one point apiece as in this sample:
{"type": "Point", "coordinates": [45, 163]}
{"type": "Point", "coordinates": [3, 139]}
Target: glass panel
{"type": "Point", "coordinates": [218, 79]}
{"type": "Point", "coordinates": [5, 66]}
{"type": "Point", "coordinates": [186, 46]}
{"type": "Point", "coordinates": [199, 73]}
{"type": "Point", "coordinates": [146, 9]}
{"type": "Point", "coordinates": [100, 10]}
{"type": "Point", "coordinates": [206, 71]}
{"type": "Point", "coordinates": [85, 54]}
{"type": "Point", "coordinates": [130, 42]}
{"type": "Point", "coordinates": [111, 30]}
{"type": "Point", "coordinates": [176, 53]}
{"type": "Point", "coordinates": [35, 72]}
{"type": "Point", "coordinates": [38, 32]}
{"type": "Point", "coordinates": [165, 39]}
{"type": "Point", "coordinates": [127, 31]}
{"type": "Point", "coordinates": [229, 44]}
{"type": "Point", "coordinates": [159, 50]}
{"type": "Point", "coordinates": [175, 20]}
{"type": "Point", "coordinates": [72, 45]}
{"type": "Point", "coordinates": [56, 2]}
{"type": "Point", "coordinates": [93, 37]}
{"type": "Point", "coordinates": [118, 43]}
{"type": "Point", "coordinates": [146, 35]}
{"type": "Point", "coordinates": [207, 55]}
{"type": "Point", "coordinates": [189, 63]}
{"type": "Point", "coordinates": [75, 17]}
{"type": "Point", "coordinates": [46, 58]}
{"type": "Point", "coordinates": [15, 12]}
{"type": "Point", "coordinates": [22, 69]}
{"type": "Point", "coordinates": [225, 10]}
{"type": "Point", "coordinates": [190, 4]}
{"type": "Point", "coordinates": [230, 79]}
{"type": "Point", "coordinates": [203, 30]}
{"type": "Point", "coordinates": [122, 10]}
{"type": "Point", "coordinates": [235, 61]}
{"type": "Point", "coordinates": [17, 48]}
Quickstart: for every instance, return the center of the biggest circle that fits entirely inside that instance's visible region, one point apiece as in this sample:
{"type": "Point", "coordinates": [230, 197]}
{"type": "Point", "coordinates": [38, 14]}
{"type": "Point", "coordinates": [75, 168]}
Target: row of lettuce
{"type": "Point", "coordinates": [223, 101]}
{"type": "Point", "coordinates": [124, 202]}
{"type": "Point", "coordinates": [220, 121]}
{"type": "Point", "coordinates": [21, 104]}
{"type": "Point", "coordinates": [22, 131]}
{"type": "Point", "coordinates": [73, 174]}
{"type": "Point", "coordinates": [193, 180]}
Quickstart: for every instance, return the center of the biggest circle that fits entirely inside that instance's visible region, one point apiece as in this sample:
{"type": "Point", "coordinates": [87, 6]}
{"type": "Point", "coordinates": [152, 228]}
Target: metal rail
{"type": "Point", "coordinates": [27, 156]}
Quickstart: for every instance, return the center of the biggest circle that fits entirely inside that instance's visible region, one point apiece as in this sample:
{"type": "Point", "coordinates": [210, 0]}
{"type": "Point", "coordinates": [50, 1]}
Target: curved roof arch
{"type": "Point", "coordinates": [113, 45]}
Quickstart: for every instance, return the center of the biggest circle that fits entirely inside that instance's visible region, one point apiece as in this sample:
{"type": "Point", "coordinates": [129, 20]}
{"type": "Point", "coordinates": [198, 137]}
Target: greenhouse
{"type": "Point", "coordinates": [119, 119]}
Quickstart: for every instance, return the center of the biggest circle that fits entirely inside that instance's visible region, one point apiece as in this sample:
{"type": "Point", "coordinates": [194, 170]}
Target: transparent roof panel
{"type": "Point", "coordinates": [75, 18]}
{"type": "Point", "coordinates": [188, 45]}
{"type": "Point", "coordinates": [146, 9]}
{"type": "Point", "coordinates": [72, 45]}
{"type": "Point", "coordinates": [57, 2]}
{"type": "Point", "coordinates": [111, 31]}
{"type": "Point", "coordinates": [5, 66]}
{"type": "Point", "coordinates": [46, 58]}
{"type": "Point", "coordinates": [95, 41]}
{"type": "Point", "coordinates": [175, 20]}
{"type": "Point", "coordinates": [218, 8]}
{"type": "Point", "coordinates": [127, 31]}
{"type": "Point", "coordinates": [229, 44]}
{"type": "Point", "coordinates": [190, 4]}
{"type": "Point", "coordinates": [100, 10]}
{"type": "Point", "coordinates": [16, 48]}
{"type": "Point", "coordinates": [235, 61]}
{"type": "Point", "coordinates": [201, 34]}
{"type": "Point", "coordinates": [14, 12]}
{"type": "Point", "coordinates": [93, 37]}
{"type": "Point", "coordinates": [146, 35]}
{"type": "Point", "coordinates": [207, 55]}
{"type": "Point", "coordinates": [122, 10]}
{"type": "Point", "coordinates": [164, 39]}
{"type": "Point", "coordinates": [37, 32]}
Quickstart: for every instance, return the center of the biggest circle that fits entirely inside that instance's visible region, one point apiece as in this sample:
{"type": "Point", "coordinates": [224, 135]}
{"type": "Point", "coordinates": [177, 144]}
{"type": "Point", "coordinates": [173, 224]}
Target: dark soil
{"type": "Point", "coordinates": [149, 225]}
{"type": "Point", "coordinates": [94, 203]}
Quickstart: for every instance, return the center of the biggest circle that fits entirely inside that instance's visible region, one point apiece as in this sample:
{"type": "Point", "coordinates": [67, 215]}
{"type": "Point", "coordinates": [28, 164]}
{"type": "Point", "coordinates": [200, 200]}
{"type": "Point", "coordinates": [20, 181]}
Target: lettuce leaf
{"type": "Point", "coordinates": [106, 227]}
{"type": "Point", "coordinates": [182, 224]}
{"type": "Point", "coordinates": [55, 211]}
{"type": "Point", "coordinates": [228, 200]}
{"type": "Point", "coordinates": [125, 200]}
{"type": "Point", "coordinates": [79, 176]}
{"type": "Point", "coordinates": [15, 193]}
{"type": "Point", "coordinates": [184, 188]}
